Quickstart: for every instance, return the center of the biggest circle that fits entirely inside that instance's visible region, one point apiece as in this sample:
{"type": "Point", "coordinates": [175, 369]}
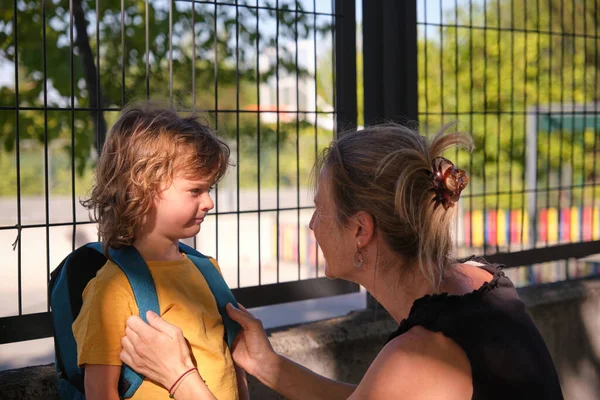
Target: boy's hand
{"type": "Point", "coordinates": [158, 350]}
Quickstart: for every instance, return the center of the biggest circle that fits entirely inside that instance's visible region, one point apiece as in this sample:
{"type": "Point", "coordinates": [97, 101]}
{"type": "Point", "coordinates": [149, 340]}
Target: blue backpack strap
{"type": "Point", "coordinates": [63, 321]}
{"type": "Point", "coordinates": [135, 269]}
{"type": "Point", "coordinates": [219, 288]}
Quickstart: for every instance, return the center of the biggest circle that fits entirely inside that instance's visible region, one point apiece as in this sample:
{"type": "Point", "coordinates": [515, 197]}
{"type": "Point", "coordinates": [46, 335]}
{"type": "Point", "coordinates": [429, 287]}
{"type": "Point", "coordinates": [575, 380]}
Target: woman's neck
{"type": "Point", "coordinates": [395, 294]}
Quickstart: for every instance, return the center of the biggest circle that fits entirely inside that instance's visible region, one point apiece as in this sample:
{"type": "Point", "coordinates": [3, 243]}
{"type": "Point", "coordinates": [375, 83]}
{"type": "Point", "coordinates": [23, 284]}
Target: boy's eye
{"type": "Point", "coordinates": [197, 192]}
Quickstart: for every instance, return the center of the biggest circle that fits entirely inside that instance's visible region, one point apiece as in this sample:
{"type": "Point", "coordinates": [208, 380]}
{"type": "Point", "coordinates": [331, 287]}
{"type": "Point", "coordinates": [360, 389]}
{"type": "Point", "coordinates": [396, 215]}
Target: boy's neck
{"type": "Point", "coordinates": [157, 249]}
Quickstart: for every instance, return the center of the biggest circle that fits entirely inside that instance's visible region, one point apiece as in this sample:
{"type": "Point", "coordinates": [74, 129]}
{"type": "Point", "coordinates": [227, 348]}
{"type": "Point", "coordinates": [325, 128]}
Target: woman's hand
{"type": "Point", "coordinates": [158, 350]}
{"type": "Point", "coordinates": [253, 352]}
{"type": "Point", "coordinates": [251, 349]}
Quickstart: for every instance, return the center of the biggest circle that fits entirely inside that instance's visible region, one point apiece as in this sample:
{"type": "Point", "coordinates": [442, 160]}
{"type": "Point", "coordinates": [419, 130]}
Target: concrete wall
{"type": "Point", "coordinates": [567, 314]}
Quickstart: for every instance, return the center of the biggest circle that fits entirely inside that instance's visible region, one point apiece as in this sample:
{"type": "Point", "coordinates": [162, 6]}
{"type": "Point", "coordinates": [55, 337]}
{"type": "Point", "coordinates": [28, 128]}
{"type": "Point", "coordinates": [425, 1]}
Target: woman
{"type": "Point", "coordinates": [383, 204]}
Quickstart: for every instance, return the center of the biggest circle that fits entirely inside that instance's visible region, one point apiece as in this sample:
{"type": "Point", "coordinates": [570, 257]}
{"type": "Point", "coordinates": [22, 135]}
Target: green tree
{"type": "Point", "coordinates": [94, 63]}
{"type": "Point", "coordinates": [513, 57]}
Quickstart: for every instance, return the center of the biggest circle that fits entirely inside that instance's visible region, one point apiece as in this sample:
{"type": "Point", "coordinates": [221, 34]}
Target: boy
{"type": "Point", "coordinates": [152, 189]}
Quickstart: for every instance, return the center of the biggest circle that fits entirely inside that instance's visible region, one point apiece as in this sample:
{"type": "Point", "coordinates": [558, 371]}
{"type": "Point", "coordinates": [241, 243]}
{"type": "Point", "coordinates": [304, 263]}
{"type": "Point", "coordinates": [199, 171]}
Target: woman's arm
{"type": "Point", "coordinates": [101, 382]}
{"type": "Point", "coordinates": [253, 352]}
{"type": "Point", "coordinates": [294, 381]}
{"type": "Point", "coordinates": [242, 383]}
{"type": "Point", "coordinates": [193, 388]}
{"type": "Point", "coordinates": [159, 352]}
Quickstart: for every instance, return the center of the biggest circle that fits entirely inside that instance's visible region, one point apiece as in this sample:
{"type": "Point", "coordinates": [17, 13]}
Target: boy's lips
{"type": "Point", "coordinates": [199, 220]}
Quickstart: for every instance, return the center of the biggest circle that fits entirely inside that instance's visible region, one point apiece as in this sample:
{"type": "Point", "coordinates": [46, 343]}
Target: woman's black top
{"type": "Point", "coordinates": [509, 359]}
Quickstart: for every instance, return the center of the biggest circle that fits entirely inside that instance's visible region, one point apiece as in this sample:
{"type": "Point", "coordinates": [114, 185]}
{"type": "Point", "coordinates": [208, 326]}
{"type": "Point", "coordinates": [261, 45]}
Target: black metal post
{"type": "Point", "coordinates": [345, 65]}
{"type": "Point", "coordinates": [390, 65]}
{"type": "Point", "coordinates": [390, 60]}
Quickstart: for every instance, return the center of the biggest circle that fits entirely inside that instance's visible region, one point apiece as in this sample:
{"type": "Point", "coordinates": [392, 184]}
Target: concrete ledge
{"type": "Point", "coordinates": [339, 348]}
{"type": "Point", "coordinates": [29, 383]}
{"type": "Point", "coordinates": [567, 314]}
{"type": "Point", "coordinates": [560, 292]}
{"type": "Point", "coordinates": [568, 317]}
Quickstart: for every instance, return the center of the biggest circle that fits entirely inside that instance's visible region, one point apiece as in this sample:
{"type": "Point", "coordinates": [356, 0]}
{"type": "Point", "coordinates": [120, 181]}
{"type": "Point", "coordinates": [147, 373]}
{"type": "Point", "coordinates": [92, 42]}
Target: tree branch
{"type": "Point", "coordinates": [90, 74]}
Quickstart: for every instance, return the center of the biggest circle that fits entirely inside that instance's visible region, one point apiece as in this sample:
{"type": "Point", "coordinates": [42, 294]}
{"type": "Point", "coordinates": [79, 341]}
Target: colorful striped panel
{"type": "Point", "coordinates": [575, 226]}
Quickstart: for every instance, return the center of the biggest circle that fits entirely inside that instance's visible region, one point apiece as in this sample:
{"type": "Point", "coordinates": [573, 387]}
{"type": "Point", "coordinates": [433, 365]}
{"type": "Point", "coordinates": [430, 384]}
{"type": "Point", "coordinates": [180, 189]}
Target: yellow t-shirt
{"type": "Point", "coordinates": [185, 300]}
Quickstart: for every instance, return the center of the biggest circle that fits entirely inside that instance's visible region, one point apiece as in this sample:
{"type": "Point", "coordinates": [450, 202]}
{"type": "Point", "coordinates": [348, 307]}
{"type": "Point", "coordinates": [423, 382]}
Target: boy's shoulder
{"type": "Point", "coordinates": [110, 276]}
{"type": "Point", "coordinates": [212, 260]}
{"type": "Point", "coordinates": [215, 263]}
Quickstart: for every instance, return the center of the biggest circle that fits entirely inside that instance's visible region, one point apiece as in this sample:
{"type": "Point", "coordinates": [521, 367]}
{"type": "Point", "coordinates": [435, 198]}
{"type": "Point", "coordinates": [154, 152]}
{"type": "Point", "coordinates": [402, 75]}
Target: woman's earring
{"type": "Point", "coordinates": [358, 258]}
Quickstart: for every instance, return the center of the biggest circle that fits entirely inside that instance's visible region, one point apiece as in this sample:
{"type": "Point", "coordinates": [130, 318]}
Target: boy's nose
{"type": "Point", "coordinates": [208, 203]}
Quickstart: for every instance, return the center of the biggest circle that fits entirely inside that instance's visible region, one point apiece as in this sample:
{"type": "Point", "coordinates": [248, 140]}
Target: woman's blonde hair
{"type": "Point", "coordinates": [386, 171]}
{"type": "Point", "coordinates": [143, 152]}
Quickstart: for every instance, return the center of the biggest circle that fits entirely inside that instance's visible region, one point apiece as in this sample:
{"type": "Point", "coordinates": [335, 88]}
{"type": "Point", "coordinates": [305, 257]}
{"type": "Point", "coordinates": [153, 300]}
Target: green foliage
{"type": "Point", "coordinates": [489, 79]}
{"type": "Point", "coordinates": [484, 78]}
{"type": "Point", "coordinates": [32, 172]}
{"type": "Point", "coordinates": [32, 177]}
{"type": "Point", "coordinates": [213, 56]}
{"type": "Point", "coordinates": [298, 145]}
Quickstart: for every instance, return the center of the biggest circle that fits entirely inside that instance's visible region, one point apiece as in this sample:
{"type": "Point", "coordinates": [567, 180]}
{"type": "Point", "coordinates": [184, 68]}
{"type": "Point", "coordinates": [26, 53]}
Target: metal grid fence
{"type": "Point", "coordinates": [274, 78]}
{"type": "Point", "coordinates": [522, 76]}
{"type": "Point", "coordinates": [277, 78]}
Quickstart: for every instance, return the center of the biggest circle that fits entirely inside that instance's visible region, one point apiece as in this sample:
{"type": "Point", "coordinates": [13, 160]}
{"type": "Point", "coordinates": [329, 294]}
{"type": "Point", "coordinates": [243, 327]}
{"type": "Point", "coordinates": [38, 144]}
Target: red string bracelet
{"type": "Point", "coordinates": [180, 378]}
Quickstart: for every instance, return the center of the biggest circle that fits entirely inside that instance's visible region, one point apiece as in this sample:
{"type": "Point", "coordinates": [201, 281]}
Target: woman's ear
{"type": "Point", "coordinates": [365, 228]}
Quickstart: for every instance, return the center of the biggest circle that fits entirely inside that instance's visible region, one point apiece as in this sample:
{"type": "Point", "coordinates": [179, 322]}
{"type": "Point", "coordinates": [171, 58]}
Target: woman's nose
{"type": "Point", "coordinates": [312, 221]}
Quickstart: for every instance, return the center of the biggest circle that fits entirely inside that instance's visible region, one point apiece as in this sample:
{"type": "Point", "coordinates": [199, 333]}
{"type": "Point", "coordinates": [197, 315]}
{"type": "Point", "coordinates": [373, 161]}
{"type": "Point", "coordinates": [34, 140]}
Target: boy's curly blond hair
{"type": "Point", "coordinates": [144, 151]}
